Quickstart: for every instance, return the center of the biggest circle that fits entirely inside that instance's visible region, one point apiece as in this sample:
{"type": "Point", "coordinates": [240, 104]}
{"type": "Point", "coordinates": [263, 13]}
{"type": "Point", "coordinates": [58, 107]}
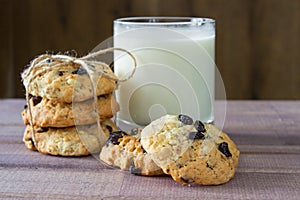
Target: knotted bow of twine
{"type": "Point", "coordinates": [86, 62]}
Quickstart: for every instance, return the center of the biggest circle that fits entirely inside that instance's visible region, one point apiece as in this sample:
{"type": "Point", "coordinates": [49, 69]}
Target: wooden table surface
{"type": "Point", "coordinates": [266, 132]}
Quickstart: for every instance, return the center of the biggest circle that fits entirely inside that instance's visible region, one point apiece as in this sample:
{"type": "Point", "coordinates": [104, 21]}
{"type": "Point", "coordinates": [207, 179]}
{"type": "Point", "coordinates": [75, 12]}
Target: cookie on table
{"type": "Point", "coordinates": [124, 150]}
{"type": "Point", "coordinates": [67, 83]}
{"type": "Point", "coordinates": [70, 141]}
{"type": "Point", "coordinates": [190, 151]}
{"type": "Point", "coordinates": [51, 113]}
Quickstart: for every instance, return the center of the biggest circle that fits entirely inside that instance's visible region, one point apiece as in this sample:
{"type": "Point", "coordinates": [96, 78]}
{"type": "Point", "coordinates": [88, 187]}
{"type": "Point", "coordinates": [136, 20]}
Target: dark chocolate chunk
{"type": "Point", "coordinates": [114, 137]}
{"type": "Point", "coordinates": [80, 71]}
{"type": "Point", "coordinates": [208, 166]}
{"type": "Point", "coordinates": [185, 119]}
{"type": "Point", "coordinates": [199, 126]}
{"type": "Point", "coordinates": [36, 100]}
{"type": "Point", "coordinates": [42, 129]}
{"type": "Point", "coordinates": [109, 128]}
{"type": "Point", "coordinates": [223, 147]}
{"type": "Point", "coordinates": [60, 73]}
{"type": "Point", "coordinates": [195, 135]}
{"type": "Point", "coordinates": [134, 170]}
{"type": "Point", "coordinates": [75, 72]}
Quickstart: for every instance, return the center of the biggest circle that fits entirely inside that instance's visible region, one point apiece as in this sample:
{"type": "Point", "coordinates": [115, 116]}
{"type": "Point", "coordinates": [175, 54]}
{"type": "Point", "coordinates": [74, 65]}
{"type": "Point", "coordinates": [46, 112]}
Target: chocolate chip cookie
{"type": "Point", "coordinates": [190, 151]}
{"type": "Point", "coordinates": [67, 83]}
{"type": "Point", "coordinates": [70, 141]}
{"type": "Point", "coordinates": [51, 113]}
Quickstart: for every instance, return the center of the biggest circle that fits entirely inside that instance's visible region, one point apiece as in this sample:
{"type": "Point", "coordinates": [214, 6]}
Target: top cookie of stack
{"type": "Point", "coordinates": [60, 95]}
{"type": "Point", "coordinates": [68, 82]}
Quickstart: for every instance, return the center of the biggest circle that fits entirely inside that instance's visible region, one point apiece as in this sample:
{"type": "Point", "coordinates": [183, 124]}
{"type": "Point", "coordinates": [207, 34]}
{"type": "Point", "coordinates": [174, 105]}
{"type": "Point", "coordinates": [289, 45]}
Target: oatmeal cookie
{"type": "Point", "coordinates": [70, 141]}
{"type": "Point", "coordinates": [67, 83]}
{"type": "Point", "coordinates": [190, 151]}
{"type": "Point", "coordinates": [125, 151]}
{"type": "Point", "coordinates": [50, 113]}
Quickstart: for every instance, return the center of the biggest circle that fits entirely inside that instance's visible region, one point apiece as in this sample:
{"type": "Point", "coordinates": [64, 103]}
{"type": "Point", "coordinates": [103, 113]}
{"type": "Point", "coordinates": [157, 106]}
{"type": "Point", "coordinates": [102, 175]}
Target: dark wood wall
{"type": "Point", "coordinates": [258, 46]}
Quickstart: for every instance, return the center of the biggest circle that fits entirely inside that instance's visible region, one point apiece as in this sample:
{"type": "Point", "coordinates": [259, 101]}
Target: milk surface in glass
{"type": "Point", "coordinates": [175, 68]}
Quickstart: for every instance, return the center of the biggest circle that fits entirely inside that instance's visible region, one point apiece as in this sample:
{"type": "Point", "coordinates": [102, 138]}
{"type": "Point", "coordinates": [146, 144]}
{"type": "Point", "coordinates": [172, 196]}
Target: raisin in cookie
{"type": "Point", "coordinates": [126, 152]}
{"type": "Point", "coordinates": [190, 151]}
{"type": "Point", "coordinates": [70, 141]}
{"type": "Point", "coordinates": [67, 83]}
{"type": "Point", "coordinates": [50, 113]}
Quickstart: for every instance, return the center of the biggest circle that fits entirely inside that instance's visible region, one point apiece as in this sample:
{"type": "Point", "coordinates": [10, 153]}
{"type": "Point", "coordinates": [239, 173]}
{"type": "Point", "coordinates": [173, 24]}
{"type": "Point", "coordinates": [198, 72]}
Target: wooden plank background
{"type": "Point", "coordinates": [257, 41]}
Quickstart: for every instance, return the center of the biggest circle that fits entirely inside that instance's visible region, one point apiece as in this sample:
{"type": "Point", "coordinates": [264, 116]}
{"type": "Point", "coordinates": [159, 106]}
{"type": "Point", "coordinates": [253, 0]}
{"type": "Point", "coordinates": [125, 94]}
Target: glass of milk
{"type": "Point", "coordinates": [175, 71]}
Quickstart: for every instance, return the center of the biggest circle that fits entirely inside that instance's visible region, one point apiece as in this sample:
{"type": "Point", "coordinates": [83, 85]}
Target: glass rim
{"type": "Point", "coordinates": [163, 21]}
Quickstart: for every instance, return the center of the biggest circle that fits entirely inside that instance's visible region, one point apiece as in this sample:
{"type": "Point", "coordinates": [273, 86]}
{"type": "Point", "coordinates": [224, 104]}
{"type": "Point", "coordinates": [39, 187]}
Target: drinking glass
{"type": "Point", "coordinates": [175, 71]}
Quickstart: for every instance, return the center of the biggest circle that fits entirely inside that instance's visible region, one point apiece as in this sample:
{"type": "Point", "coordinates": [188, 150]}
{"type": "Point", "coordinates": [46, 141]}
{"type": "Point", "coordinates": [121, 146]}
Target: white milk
{"type": "Point", "coordinates": [175, 73]}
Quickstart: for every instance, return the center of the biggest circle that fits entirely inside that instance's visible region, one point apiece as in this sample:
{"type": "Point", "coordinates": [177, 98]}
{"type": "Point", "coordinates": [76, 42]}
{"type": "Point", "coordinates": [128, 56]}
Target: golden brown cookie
{"type": "Point", "coordinates": [126, 152]}
{"type": "Point", "coordinates": [71, 141]}
{"type": "Point", "coordinates": [51, 113]}
{"type": "Point", "coordinates": [67, 83]}
{"type": "Point", "coordinates": [190, 151]}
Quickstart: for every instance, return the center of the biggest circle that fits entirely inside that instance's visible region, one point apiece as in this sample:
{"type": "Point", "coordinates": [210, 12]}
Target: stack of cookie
{"type": "Point", "coordinates": [190, 151]}
{"type": "Point", "coordinates": [62, 109]}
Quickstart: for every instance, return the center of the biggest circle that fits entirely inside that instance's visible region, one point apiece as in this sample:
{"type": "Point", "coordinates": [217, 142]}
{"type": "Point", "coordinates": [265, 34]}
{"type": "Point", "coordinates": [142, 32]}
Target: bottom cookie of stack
{"type": "Point", "coordinates": [69, 141]}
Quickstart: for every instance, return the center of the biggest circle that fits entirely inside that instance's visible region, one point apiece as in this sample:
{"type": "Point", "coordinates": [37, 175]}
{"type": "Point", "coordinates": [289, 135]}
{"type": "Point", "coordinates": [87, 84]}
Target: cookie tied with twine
{"type": "Point", "coordinates": [67, 69]}
{"type": "Point", "coordinates": [78, 79]}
